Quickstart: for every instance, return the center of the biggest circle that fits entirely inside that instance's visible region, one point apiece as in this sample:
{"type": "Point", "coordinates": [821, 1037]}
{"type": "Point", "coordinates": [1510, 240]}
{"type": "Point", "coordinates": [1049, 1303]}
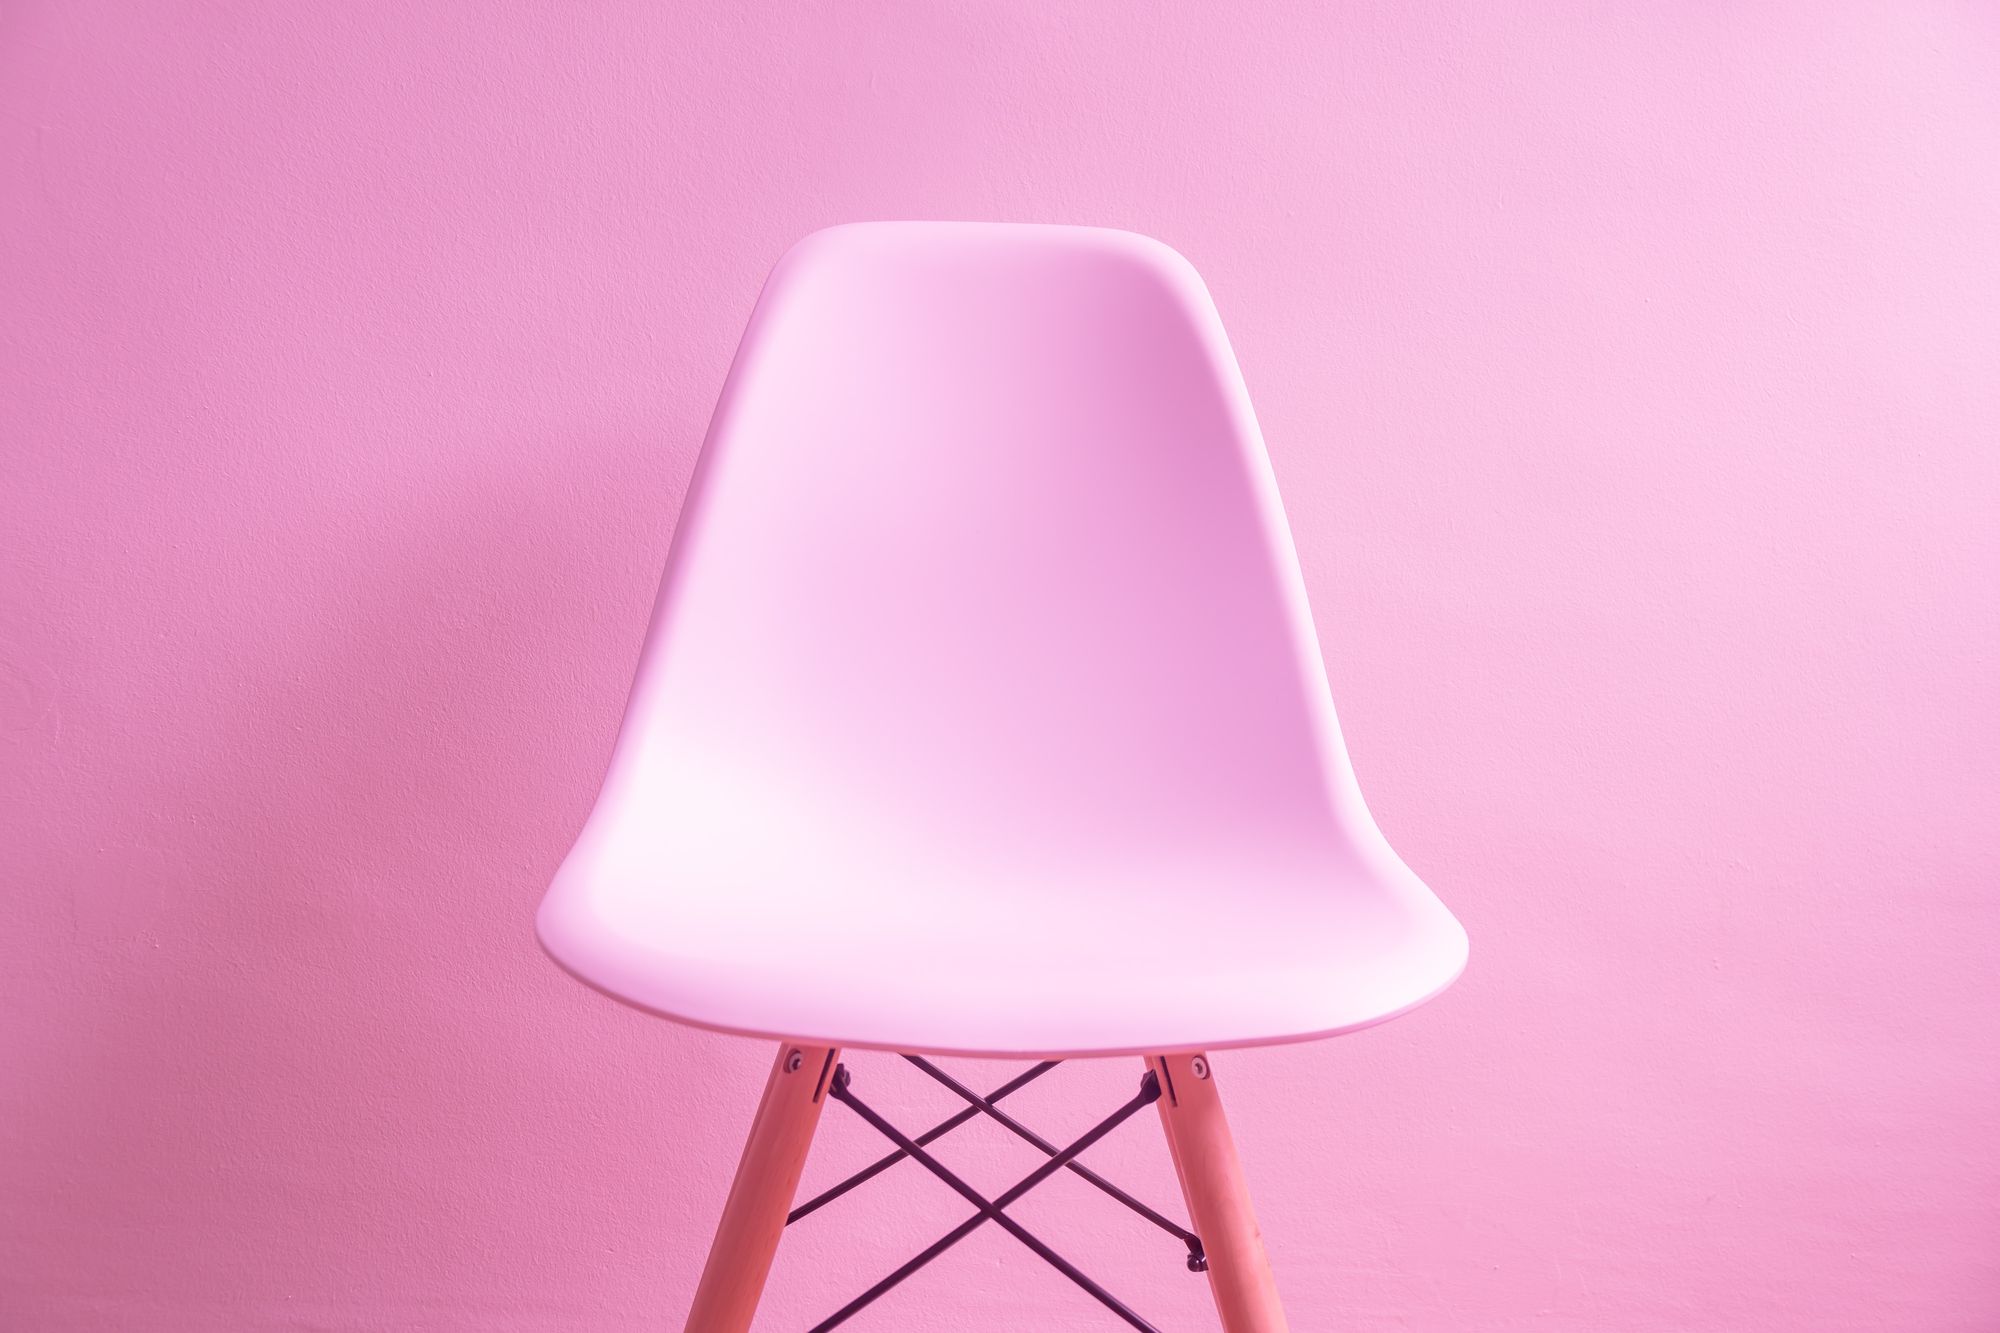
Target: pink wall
{"type": "Point", "coordinates": [1634, 384]}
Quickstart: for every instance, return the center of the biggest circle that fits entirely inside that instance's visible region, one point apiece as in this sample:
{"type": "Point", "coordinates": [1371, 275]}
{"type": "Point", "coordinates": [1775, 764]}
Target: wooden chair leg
{"type": "Point", "coordinates": [1239, 1276]}
{"type": "Point", "coordinates": [767, 1177]}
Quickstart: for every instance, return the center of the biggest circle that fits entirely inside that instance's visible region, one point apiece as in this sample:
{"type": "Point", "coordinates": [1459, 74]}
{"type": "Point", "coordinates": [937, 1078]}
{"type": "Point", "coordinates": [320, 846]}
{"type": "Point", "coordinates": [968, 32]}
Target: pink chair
{"type": "Point", "coordinates": [982, 714]}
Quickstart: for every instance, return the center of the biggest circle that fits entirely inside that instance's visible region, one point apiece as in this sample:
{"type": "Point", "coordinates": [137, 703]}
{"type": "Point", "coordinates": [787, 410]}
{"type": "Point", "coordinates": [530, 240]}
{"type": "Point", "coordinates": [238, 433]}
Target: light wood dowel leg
{"type": "Point", "coordinates": [766, 1179]}
{"type": "Point", "coordinates": [1205, 1158]}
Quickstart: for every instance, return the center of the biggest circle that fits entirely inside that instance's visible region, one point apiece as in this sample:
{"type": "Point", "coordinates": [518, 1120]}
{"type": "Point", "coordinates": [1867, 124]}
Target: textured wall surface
{"type": "Point", "coordinates": [1634, 386]}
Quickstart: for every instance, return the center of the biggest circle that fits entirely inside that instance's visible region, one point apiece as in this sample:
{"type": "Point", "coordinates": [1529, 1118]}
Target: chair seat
{"type": "Point", "coordinates": [981, 710]}
{"type": "Point", "coordinates": [1028, 968]}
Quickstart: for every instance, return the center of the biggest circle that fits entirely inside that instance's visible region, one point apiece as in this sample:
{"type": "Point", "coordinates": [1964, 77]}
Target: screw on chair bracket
{"type": "Point", "coordinates": [993, 1210]}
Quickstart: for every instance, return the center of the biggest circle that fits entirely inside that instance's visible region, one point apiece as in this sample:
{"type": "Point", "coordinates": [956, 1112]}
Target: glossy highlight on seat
{"type": "Point", "coordinates": [982, 711]}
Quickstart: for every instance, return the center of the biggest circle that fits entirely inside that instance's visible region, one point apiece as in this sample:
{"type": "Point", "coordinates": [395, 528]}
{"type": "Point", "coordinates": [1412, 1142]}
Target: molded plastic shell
{"type": "Point", "coordinates": [981, 710]}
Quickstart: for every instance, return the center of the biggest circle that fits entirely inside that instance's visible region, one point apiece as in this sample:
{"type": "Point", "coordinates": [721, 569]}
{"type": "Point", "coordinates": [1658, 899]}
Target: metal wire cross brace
{"type": "Point", "coordinates": [994, 1210]}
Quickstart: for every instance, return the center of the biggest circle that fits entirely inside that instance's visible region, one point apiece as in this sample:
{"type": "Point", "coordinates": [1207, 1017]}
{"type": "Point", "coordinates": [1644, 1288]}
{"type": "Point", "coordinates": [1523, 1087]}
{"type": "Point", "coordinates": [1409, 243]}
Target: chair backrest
{"type": "Point", "coordinates": [982, 581]}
